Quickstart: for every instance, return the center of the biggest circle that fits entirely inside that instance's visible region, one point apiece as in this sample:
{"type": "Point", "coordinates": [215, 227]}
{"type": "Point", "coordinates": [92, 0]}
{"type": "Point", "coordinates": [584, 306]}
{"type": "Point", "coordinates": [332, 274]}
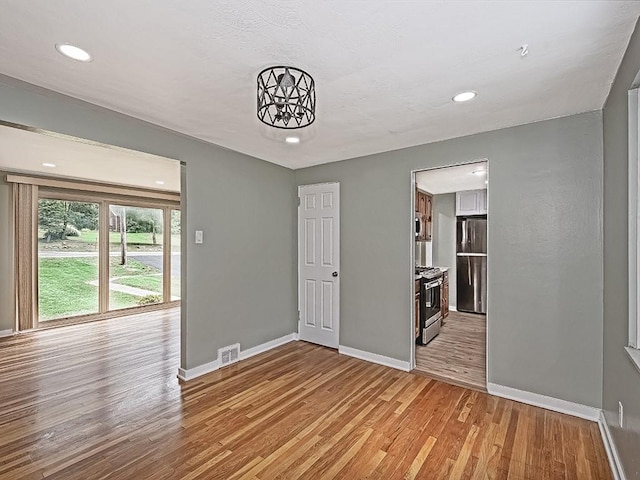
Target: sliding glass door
{"type": "Point", "coordinates": [176, 230]}
{"type": "Point", "coordinates": [136, 257]}
{"type": "Point", "coordinates": [96, 256]}
{"type": "Point", "coordinates": [68, 258]}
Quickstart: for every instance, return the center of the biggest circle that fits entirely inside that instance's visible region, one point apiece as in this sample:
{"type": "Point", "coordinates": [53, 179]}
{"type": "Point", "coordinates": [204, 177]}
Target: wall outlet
{"type": "Point", "coordinates": [620, 414]}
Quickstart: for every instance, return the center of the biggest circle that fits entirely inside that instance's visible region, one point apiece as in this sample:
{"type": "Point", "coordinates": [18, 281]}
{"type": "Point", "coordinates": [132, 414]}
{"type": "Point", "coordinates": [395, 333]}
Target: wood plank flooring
{"type": "Point", "coordinates": [102, 400]}
{"type": "Point", "coordinates": [458, 354]}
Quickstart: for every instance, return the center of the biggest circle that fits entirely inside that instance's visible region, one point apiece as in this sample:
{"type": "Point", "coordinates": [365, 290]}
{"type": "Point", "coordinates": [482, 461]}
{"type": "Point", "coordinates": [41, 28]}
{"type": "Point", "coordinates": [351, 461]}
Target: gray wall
{"type": "Point", "coordinates": [545, 223]}
{"type": "Point", "coordinates": [444, 238]}
{"type": "Point", "coordinates": [545, 251]}
{"type": "Point", "coordinates": [621, 380]}
{"type": "Point", "coordinates": [241, 283]}
{"type": "Point", "coordinates": [7, 317]}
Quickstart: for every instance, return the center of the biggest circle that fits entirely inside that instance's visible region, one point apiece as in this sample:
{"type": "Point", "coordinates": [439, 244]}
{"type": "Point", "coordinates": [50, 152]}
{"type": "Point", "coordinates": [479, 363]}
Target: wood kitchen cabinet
{"type": "Point", "coordinates": [422, 202]}
{"type": "Point", "coordinates": [417, 309]}
{"type": "Point", "coordinates": [429, 215]}
{"type": "Point", "coordinates": [424, 205]}
{"type": "Point", "coordinates": [417, 315]}
{"type": "Point", "coordinates": [444, 296]}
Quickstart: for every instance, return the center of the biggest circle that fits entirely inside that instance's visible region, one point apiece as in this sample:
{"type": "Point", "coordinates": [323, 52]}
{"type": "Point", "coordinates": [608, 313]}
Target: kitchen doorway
{"type": "Point", "coordinates": [449, 334]}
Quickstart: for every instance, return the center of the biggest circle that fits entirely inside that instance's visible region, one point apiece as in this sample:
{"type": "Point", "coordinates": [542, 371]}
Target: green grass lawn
{"type": "Point", "coordinates": [145, 275]}
{"type": "Point", "coordinates": [88, 241]}
{"type": "Point", "coordinates": [153, 284]}
{"type": "Point", "coordinates": [64, 290]}
{"type": "Point", "coordinates": [91, 236]}
{"type": "Point", "coordinates": [133, 267]}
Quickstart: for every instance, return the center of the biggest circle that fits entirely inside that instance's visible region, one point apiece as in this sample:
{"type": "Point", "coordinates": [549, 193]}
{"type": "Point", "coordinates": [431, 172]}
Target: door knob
{"type": "Point", "coordinates": [334, 274]}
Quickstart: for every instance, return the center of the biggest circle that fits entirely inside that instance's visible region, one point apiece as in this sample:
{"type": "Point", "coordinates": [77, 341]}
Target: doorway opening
{"type": "Point", "coordinates": [96, 228]}
{"type": "Point", "coordinates": [449, 278]}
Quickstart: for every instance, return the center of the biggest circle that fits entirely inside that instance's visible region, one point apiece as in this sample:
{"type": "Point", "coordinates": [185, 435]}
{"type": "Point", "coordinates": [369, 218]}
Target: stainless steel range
{"type": "Point", "coordinates": [428, 272]}
{"type": "Point", "coordinates": [430, 311]}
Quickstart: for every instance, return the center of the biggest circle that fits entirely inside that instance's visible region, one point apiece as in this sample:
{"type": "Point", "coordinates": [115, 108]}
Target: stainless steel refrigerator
{"type": "Point", "coordinates": [471, 264]}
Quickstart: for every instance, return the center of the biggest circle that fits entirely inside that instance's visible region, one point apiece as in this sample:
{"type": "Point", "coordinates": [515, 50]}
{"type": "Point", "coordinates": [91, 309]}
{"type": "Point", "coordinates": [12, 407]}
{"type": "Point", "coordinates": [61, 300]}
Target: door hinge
{"type": "Point", "coordinates": [298, 201]}
{"type": "Point", "coordinates": [298, 315]}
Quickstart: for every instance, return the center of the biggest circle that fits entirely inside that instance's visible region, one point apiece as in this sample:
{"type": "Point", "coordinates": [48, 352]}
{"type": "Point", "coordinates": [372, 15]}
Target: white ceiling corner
{"type": "Point", "coordinates": [385, 70]}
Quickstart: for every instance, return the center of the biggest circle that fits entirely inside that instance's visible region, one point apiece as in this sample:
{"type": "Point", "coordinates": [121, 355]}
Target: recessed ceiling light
{"type": "Point", "coordinates": [479, 172]}
{"type": "Point", "coordinates": [159, 182]}
{"type": "Point", "coordinates": [465, 96]}
{"type": "Point", "coordinates": [50, 165]}
{"type": "Point", "coordinates": [73, 52]}
{"type": "Point", "coordinates": [292, 140]}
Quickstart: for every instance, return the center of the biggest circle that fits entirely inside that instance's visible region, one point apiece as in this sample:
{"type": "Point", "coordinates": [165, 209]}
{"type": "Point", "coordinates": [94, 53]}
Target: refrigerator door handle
{"type": "Point", "coordinates": [464, 235]}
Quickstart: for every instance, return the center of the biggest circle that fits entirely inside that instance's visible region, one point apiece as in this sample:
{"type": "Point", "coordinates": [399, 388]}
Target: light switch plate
{"type": "Point", "coordinates": [199, 236]}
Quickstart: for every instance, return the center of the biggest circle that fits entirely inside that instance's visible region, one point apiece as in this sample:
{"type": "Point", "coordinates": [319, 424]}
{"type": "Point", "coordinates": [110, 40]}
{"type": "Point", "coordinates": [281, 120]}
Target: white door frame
{"type": "Point", "coordinates": [412, 259]}
{"type": "Point", "coordinates": [412, 263]}
{"type": "Point", "coordinates": [337, 281]}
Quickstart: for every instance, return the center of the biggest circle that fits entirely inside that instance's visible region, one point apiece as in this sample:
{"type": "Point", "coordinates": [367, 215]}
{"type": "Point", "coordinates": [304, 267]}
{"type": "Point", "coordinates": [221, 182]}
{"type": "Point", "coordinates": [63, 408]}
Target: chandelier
{"type": "Point", "coordinates": [286, 97]}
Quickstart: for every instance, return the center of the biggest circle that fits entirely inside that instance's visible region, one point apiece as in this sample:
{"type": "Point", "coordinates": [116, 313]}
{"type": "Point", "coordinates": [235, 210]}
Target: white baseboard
{"type": "Point", "coordinates": [374, 358]}
{"type": "Point", "coordinates": [452, 308]}
{"type": "Point", "coordinates": [7, 333]}
{"type": "Point", "coordinates": [550, 403]}
{"type": "Point", "coordinates": [610, 448]}
{"type": "Point", "coordinates": [191, 373]}
{"type": "Point", "coordinates": [250, 352]}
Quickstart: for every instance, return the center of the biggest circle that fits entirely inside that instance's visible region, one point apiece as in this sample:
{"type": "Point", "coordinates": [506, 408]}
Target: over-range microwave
{"type": "Point", "coordinates": [421, 226]}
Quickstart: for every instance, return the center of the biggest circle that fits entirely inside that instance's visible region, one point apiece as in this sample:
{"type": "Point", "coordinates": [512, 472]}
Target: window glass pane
{"type": "Point", "coordinates": [175, 254]}
{"type": "Point", "coordinates": [67, 259]}
{"type": "Point", "coordinates": [135, 256]}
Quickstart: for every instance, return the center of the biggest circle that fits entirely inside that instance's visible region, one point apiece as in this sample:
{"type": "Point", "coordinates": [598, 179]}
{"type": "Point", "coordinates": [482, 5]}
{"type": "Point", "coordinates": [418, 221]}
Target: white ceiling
{"type": "Point", "coordinates": [385, 70]}
{"type": "Point", "coordinates": [26, 151]}
{"type": "Point", "coordinates": [453, 179]}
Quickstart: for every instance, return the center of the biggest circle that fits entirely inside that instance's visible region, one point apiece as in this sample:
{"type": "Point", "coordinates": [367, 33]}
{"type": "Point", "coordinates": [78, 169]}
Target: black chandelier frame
{"type": "Point", "coordinates": [286, 97]}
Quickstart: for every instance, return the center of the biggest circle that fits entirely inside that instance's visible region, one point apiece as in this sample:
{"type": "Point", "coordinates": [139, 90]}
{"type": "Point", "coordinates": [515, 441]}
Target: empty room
{"type": "Point", "coordinates": [316, 240]}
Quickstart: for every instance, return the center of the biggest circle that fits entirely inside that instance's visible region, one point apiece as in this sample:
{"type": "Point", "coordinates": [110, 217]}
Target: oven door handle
{"type": "Point", "coordinates": [435, 283]}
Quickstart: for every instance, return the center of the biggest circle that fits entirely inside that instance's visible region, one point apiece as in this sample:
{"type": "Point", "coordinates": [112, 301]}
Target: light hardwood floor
{"type": "Point", "coordinates": [458, 354]}
{"type": "Point", "coordinates": [102, 400]}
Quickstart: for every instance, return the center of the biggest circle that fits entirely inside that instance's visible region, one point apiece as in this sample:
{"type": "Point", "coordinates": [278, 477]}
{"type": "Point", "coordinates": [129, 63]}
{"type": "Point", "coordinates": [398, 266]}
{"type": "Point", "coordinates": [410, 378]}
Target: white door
{"type": "Point", "coordinates": [319, 263]}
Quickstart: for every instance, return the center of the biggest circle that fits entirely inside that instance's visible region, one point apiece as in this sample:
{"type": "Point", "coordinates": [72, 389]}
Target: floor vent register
{"type": "Point", "coordinates": [229, 355]}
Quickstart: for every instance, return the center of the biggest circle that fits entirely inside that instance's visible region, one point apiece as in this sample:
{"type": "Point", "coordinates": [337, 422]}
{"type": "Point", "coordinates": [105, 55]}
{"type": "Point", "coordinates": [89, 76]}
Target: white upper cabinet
{"type": "Point", "coordinates": [471, 202]}
{"type": "Point", "coordinates": [483, 207]}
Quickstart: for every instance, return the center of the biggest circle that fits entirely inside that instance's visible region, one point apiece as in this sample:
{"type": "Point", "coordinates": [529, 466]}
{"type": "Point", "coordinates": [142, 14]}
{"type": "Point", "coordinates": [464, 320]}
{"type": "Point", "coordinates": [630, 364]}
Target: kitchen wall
{"type": "Point", "coordinates": [444, 238]}
{"type": "Point", "coordinates": [241, 283]}
{"type": "Point", "coordinates": [621, 379]}
{"type": "Point", "coordinates": [7, 295]}
{"type": "Point", "coordinates": [424, 254]}
{"type": "Point", "coordinates": [545, 251]}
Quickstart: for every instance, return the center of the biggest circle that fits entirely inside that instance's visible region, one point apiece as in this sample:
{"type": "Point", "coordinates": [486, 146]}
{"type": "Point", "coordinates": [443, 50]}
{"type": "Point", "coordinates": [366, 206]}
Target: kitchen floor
{"type": "Point", "coordinates": [458, 354]}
